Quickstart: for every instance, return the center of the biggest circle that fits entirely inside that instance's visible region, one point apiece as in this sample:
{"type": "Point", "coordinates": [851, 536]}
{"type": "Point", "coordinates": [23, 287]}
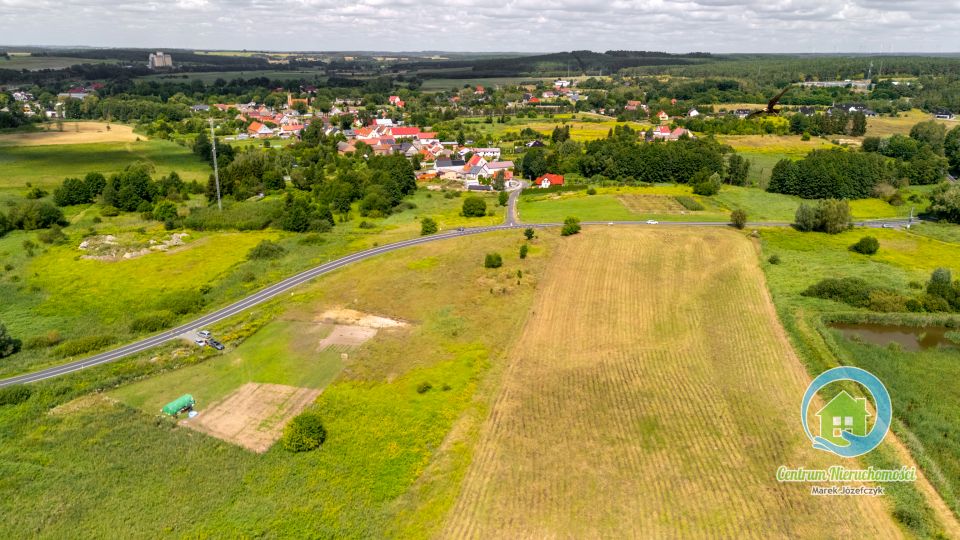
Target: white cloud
{"type": "Point", "coordinates": [477, 25]}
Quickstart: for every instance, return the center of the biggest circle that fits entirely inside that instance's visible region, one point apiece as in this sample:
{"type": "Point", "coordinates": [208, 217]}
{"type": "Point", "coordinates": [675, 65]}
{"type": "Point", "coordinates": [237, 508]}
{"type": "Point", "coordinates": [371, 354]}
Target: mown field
{"type": "Point", "coordinates": [884, 126]}
{"type": "Point", "coordinates": [925, 408]}
{"type": "Point", "coordinates": [643, 403]}
{"type": "Point", "coordinates": [393, 457]}
{"type": "Point", "coordinates": [70, 133]}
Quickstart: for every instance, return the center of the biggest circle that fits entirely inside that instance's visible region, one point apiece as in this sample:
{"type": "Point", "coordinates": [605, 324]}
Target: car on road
{"type": "Point", "coordinates": [652, 222]}
{"type": "Point", "coordinates": [216, 344]}
{"type": "Point", "coordinates": [460, 229]}
{"type": "Point", "coordinates": [204, 334]}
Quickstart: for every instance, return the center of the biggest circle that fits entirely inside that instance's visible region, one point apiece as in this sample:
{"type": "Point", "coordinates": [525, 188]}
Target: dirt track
{"type": "Point", "coordinates": [254, 415]}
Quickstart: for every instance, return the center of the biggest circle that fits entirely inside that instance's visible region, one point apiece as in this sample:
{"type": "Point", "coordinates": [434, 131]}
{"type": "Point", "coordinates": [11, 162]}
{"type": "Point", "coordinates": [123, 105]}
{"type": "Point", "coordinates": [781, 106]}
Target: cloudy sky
{"type": "Point", "coordinates": [489, 25]}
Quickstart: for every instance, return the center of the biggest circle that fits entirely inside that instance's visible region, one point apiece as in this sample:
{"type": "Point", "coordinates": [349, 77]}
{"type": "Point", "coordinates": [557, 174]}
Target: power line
{"type": "Point", "coordinates": [216, 169]}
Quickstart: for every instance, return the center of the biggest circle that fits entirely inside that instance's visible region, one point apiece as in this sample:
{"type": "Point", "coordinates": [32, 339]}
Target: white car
{"type": "Point", "coordinates": [652, 222]}
{"type": "Point", "coordinates": [200, 342]}
{"type": "Point", "coordinates": [205, 334]}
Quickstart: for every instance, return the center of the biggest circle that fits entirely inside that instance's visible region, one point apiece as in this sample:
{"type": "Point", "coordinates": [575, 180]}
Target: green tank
{"type": "Point", "coordinates": [183, 402]}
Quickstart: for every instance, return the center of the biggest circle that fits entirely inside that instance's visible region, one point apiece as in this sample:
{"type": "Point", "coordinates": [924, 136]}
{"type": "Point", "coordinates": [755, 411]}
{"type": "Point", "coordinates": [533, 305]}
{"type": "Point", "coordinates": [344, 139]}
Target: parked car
{"type": "Point", "coordinates": [216, 344]}
{"type": "Point", "coordinates": [200, 342]}
{"type": "Point", "coordinates": [204, 334]}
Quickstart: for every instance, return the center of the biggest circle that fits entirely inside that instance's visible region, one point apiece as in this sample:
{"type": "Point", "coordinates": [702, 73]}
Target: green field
{"type": "Point", "coordinates": [926, 413]}
{"type": "Point", "coordinates": [585, 127]}
{"type": "Point", "coordinates": [21, 61]}
{"type": "Point", "coordinates": [393, 457]}
{"type": "Point", "coordinates": [759, 205]}
{"type": "Point", "coordinates": [208, 77]}
{"type": "Point", "coordinates": [48, 165]}
{"type": "Point", "coordinates": [440, 85]}
{"type": "Point", "coordinates": [58, 290]}
{"type": "Point", "coordinates": [282, 352]}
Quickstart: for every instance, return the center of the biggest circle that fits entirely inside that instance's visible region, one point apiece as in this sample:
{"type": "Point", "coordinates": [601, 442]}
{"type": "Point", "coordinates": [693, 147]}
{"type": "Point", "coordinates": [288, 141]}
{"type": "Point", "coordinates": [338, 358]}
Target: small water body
{"type": "Point", "coordinates": [910, 338]}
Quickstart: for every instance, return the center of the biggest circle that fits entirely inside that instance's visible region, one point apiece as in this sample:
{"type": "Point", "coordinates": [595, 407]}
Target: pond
{"type": "Point", "coordinates": [910, 338]}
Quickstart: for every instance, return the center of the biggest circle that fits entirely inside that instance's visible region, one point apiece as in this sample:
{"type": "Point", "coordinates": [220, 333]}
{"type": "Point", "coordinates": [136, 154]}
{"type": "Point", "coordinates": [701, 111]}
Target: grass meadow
{"type": "Point", "coordinates": [393, 458]}
{"type": "Point", "coordinates": [57, 290]}
{"type": "Point", "coordinates": [926, 412]}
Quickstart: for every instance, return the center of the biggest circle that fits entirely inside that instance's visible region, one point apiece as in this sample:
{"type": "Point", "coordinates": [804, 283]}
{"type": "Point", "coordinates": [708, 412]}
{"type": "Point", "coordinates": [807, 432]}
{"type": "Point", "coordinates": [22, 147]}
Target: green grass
{"type": "Point", "coordinates": [209, 77]}
{"type": "Point", "coordinates": [759, 205]}
{"type": "Point", "coordinates": [393, 458]}
{"type": "Point", "coordinates": [49, 165]}
{"type": "Point", "coordinates": [282, 352]}
{"type": "Point", "coordinates": [925, 406]}
{"type": "Point", "coordinates": [57, 290]}
{"type": "Point", "coordinates": [19, 62]}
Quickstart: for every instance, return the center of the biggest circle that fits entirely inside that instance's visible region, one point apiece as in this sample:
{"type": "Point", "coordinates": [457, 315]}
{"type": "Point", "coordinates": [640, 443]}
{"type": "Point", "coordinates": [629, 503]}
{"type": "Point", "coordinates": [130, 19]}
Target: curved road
{"type": "Point", "coordinates": [512, 222]}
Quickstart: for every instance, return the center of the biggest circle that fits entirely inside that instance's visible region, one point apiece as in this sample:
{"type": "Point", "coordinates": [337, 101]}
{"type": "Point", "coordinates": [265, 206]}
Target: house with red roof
{"type": "Point", "coordinates": [428, 137]}
{"type": "Point", "coordinates": [479, 91]}
{"type": "Point", "coordinates": [548, 180]}
{"type": "Point", "coordinates": [256, 129]}
{"type": "Point", "coordinates": [663, 116]}
{"type": "Point", "coordinates": [403, 132]}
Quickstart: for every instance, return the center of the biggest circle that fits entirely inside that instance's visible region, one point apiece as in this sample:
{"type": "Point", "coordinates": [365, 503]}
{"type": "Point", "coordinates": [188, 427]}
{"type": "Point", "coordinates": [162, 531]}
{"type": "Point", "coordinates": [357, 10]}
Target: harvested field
{"type": "Point", "coordinates": [638, 404]}
{"type": "Point", "coordinates": [254, 415]}
{"type": "Point", "coordinates": [651, 204]}
{"type": "Point", "coordinates": [73, 133]}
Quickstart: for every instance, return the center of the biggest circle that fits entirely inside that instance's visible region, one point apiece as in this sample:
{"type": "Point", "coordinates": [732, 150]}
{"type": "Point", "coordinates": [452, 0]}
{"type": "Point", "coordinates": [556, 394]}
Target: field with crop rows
{"type": "Point", "coordinates": [637, 405]}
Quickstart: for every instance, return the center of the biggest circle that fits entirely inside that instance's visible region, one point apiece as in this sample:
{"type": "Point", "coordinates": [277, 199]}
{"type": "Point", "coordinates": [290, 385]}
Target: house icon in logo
{"type": "Point", "coordinates": [843, 413]}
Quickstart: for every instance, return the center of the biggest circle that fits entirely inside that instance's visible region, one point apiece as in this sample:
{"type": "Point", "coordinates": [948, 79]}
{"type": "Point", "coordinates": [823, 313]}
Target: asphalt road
{"type": "Point", "coordinates": [512, 222]}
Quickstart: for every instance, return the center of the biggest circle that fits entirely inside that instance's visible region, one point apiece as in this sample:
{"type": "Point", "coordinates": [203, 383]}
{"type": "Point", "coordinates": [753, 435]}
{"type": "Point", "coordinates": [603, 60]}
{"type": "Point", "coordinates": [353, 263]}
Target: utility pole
{"type": "Point", "coordinates": [216, 169]}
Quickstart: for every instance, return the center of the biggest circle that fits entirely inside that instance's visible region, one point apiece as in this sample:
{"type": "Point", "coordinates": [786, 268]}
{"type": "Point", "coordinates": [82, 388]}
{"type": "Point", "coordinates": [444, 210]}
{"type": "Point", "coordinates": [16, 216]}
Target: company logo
{"type": "Point", "coordinates": [842, 422]}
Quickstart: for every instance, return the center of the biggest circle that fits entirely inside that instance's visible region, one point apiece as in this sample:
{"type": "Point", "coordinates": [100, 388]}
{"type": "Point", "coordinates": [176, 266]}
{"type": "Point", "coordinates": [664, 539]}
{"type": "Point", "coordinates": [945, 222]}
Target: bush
{"type": "Point", "coordinates": [774, 259]}
{"type": "Point", "coordinates": [571, 226]}
{"type": "Point", "coordinates": [366, 225]}
{"type": "Point", "coordinates": [31, 215]}
{"type": "Point", "coordinates": [8, 344]}
{"type": "Point", "coordinates": [110, 211]}
{"type": "Point", "coordinates": [738, 218]}
{"type": "Point", "coordinates": [706, 184]}
{"type": "Point", "coordinates": [591, 191]}
{"type": "Point", "coordinates": [424, 387]}
{"type": "Point", "coordinates": [304, 433]}
{"type": "Point", "coordinates": [528, 233]}
{"type": "Point", "coordinates": [428, 226]}
{"type": "Point", "coordinates": [523, 251]}
{"type": "Point", "coordinates": [493, 260]}
{"type": "Point", "coordinates": [14, 395]}
{"type": "Point", "coordinates": [831, 216]}
{"type": "Point", "coordinates": [49, 339]}
{"type": "Point", "coordinates": [53, 235]}
{"type": "Point", "coordinates": [887, 301]}
{"type": "Point", "coordinates": [266, 249]}
{"type": "Point", "coordinates": [164, 211]}
{"type": "Point", "coordinates": [867, 245]}
{"type": "Point", "coordinates": [852, 291]}
{"type": "Point", "coordinates": [474, 206]}
{"type": "Point", "coordinates": [36, 193]}
{"type": "Point", "coordinates": [689, 203]}
{"type": "Point", "coordinates": [73, 347]}
{"type": "Point", "coordinates": [503, 197]}
{"type": "Point", "coordinates": [151, 322]}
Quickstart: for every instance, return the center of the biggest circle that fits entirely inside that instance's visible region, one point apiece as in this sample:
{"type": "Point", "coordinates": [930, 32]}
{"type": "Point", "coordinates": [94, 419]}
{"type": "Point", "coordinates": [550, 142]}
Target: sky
{"type": "Point", "coordinates": [720, 26]}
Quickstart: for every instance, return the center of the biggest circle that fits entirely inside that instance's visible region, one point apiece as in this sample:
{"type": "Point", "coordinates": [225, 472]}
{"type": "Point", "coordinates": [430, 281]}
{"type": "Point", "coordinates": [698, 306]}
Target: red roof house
{"type": "Point", "coordinates": [548, 180]}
